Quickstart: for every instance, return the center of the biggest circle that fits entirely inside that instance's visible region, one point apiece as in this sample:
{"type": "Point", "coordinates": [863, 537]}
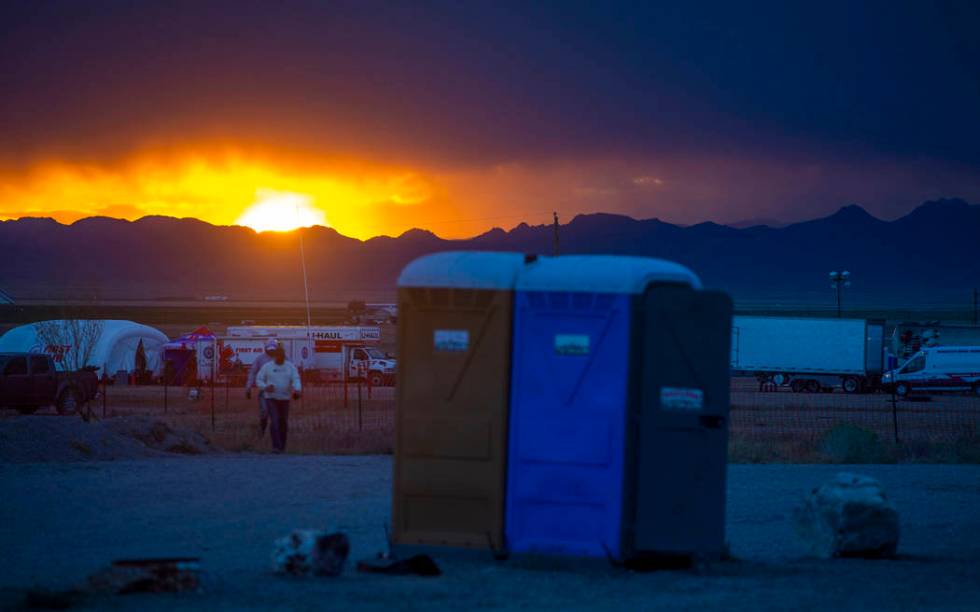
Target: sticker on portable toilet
{"type": "Point", "coordinates": [452, 340]}
{"type": "Point", "coordinates": [681, 399]}
{"type": "Point", "coordinates": [571, 344]}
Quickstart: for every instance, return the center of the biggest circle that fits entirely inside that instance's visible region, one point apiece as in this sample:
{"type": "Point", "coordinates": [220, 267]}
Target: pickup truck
{"type": "Point", "coordinates": [29, 381]}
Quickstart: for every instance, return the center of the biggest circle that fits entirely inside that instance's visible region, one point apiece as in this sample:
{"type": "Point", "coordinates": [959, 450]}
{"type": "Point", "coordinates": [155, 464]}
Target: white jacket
{"type": "Point", "coordinates": [283, 378]}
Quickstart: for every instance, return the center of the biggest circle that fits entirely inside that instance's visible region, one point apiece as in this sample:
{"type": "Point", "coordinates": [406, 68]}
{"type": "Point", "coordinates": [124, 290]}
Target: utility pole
{"type": "Point", "coordinates": [838, 281]}
{"type": "Point", "coordinates": [306, 291]}
{"type": "Point", "coordinates": [557, 244]}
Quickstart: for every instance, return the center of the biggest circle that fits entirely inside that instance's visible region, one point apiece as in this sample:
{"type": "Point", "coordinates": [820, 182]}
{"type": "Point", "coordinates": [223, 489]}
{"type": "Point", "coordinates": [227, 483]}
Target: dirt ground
{"type": "Point", "coordinates": [60, 522]}
{"type": "Point", "coordinates": [765, 427]}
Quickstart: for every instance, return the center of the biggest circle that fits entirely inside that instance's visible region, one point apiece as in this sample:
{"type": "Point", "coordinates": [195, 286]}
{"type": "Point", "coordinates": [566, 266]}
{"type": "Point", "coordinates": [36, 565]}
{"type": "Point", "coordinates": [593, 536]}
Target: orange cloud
{"type": "Point", "coordinates": [215, 186]}
{"type": "Point", "coordinates": [224, 184]}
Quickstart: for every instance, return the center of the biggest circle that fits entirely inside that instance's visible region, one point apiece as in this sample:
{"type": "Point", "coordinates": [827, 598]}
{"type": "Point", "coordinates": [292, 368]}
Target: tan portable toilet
{"type": "Point", "coordinates": [454, 338]}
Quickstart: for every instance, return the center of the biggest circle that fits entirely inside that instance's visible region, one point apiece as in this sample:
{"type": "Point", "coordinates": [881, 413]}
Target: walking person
{"type": "Point", "coordinates": [253, 372]}
{"type": "Point", "coordinates": [279, 379]}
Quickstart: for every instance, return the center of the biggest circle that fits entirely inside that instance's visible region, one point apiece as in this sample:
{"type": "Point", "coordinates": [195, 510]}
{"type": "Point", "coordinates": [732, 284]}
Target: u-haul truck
{"type": "Point", "coordinates": [335, 352]}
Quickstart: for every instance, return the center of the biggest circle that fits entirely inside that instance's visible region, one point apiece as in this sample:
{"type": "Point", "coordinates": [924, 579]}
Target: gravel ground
{"type": "Point", "coordinates": [59, 522]}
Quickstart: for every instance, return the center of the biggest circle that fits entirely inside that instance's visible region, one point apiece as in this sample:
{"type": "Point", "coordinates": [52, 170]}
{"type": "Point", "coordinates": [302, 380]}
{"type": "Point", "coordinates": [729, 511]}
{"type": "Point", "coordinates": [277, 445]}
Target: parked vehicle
{"type": "Point", "coordinates": [368, 364]}
{"type": "Point", "coordinates": [909, 338]}
{"type": "Point", "coordinates": [331, 359]}
{"type": "Point", "coordinates": [382, 313]}
{"type": "Point", "coordinates": [942, 368]}
{"type": "Point", "coordinates": [29, 381]}
{"type": "Point", "coordinates": [359, 334]}
{"type": "Point", "coordinates": [809, 354]}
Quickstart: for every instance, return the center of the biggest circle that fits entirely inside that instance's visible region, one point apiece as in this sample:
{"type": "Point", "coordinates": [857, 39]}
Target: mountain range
{"type": "Point", "coordinates": [931, 254]}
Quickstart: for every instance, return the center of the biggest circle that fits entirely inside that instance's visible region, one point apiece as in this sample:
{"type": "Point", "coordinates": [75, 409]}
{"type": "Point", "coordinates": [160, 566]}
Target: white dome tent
{"type": "Point", "coordinates": [115, 349]}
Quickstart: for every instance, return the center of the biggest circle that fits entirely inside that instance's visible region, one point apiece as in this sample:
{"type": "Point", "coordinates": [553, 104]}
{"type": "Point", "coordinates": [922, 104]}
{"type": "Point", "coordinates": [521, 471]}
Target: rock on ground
{"type": "Point", "coordinates": [307, 552]}
{"type": "Point", "coordinates": [850, 516]}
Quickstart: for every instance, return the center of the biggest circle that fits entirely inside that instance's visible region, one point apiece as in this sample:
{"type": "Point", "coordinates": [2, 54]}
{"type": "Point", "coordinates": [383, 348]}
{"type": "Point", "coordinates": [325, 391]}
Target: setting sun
{"type": "Point", "coordinates": [281, 212]}
{"type": "Point", "coordinates": [264, 191]}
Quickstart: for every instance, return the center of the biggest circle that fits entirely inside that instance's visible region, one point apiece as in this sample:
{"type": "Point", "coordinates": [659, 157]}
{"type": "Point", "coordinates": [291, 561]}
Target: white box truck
{"type": "Point", "coordinates": [941, 368]}
{"type": "Point", "coordinates": [336, 353]}
{"type": "Point", "coordinates": [809, 354]}
{"type": "Point", "coordinates": [364, 334]}
{"type": "Point", "coordinates": [238, 353]}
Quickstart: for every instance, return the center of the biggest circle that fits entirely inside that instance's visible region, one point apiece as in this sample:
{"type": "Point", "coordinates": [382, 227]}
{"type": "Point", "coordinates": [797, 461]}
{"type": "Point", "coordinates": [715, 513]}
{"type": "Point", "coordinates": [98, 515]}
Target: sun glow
{"type": "Point", "coordinates": [263, 191]}
{"type": "Point", "coordinates": [281, 212]}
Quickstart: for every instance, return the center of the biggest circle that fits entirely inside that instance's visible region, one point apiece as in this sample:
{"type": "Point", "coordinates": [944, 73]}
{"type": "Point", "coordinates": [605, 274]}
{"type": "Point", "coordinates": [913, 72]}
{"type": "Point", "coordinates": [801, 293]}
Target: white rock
{"type": "Point", "coordinates": [850, 516]}
{"type": "Point", "coordinates": [310, 552]}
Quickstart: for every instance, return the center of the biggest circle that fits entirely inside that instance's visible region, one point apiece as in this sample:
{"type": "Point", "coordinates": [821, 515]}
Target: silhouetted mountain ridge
{"type": "Point", "coordinates": [932, 251]}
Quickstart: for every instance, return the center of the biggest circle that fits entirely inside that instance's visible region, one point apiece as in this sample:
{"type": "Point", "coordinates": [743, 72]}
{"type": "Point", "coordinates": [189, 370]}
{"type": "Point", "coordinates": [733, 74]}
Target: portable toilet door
{"type": "Point", "coordinates": [454, 335]}
{"type": "Point", "coordinates": [678, 451]}
{"type": "Point", "coordinates": [572, 384]}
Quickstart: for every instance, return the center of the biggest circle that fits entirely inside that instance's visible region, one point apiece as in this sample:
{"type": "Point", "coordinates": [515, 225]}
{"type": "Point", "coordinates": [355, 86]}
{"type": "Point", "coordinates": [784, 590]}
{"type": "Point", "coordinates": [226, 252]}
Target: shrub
{"type": "Point", "coordinates": [847, 443]}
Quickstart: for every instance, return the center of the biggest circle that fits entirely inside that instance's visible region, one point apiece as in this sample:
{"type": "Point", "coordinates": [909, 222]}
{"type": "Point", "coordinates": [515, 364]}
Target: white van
{"type": "Point", "coordinates": [941, 368]}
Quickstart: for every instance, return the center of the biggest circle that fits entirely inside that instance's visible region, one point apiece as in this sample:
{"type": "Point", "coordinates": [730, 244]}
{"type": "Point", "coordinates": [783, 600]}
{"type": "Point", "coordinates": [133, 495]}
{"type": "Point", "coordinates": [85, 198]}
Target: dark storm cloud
{"type": "Point", "coordinates": [476, 83]}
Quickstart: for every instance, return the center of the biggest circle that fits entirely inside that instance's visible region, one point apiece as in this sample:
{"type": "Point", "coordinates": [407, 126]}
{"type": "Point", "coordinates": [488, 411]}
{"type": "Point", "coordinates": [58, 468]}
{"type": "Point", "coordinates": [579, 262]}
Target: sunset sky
{"type": "Point", "coordinates": [374, 118]}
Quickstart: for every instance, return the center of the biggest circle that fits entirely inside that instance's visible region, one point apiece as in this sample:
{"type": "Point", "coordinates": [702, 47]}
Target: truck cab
{"type": "Point", "coordinates": [29, 381]}
{"type": "Point", "coordinates": [946, 368]}
{"type": "Point", "coordinates": [371, 365]}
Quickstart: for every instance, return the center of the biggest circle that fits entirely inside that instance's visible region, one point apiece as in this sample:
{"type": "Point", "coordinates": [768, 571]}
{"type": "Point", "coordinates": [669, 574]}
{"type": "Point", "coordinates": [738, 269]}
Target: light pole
{"type": "Point", "coordinates": [839, 280]}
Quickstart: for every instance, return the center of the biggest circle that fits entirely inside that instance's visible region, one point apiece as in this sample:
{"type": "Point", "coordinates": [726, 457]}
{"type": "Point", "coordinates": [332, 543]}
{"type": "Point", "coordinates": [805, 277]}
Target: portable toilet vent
{"type": "Point", "coordinates": [454, 335]}
{"type": "Point", "coordinates": [619, 409]}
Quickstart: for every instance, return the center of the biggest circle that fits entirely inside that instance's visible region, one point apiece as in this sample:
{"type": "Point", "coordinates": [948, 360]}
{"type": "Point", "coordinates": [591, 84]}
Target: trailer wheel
{"type": "Point", "coordinates": [813, 386]}
{"type": "Point", "coordinates": [797, 386]}
{"type": "Point", "coordinates": [851, 384]}
{"type": "Point", "coordinates": [902, 389]}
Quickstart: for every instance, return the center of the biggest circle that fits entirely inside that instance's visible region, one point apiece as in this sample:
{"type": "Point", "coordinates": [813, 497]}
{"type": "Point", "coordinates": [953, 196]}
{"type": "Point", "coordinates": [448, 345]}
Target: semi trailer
{"type": "Point", "coordinates": [809, 354]}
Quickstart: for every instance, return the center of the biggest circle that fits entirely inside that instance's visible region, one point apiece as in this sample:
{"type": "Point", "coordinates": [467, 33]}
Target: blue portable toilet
{"type": "Point", "coordinates": [591, 402]}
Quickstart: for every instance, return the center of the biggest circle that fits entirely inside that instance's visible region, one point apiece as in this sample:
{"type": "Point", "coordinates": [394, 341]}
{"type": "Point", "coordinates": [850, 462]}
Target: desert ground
{"type": "Point", "coordinates": [765, 426]}
{"type": "Point", "coordinates": [75, 502]}
{"type": "Point", "coordinates": [60, 522]}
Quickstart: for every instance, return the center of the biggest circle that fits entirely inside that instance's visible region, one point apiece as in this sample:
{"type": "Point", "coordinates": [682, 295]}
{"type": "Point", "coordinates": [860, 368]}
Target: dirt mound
{"type": "Point", "coordinates": [157, 435]}
{"type": "Point", "coordinates": [42, 438]}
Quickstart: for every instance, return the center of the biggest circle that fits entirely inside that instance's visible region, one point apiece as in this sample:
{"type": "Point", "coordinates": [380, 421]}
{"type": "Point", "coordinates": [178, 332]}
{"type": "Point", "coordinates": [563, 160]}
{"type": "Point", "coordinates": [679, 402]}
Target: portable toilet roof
{"type": "Point", "coordinates": [464, 270]}
{"type": "Point", "coordinates": [602, 274]}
